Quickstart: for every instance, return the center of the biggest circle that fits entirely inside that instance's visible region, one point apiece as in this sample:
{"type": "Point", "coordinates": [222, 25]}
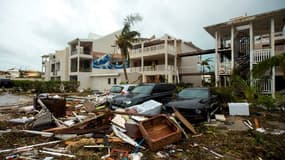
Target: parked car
{"type": "Point", "coordinates": [194, 103]}
{"type": "Point", "coordinates": [6, 83]}
{"type": "Point", "coordinates": [161, 92]}
{"type": "Point", "coordinates": [117, 90]}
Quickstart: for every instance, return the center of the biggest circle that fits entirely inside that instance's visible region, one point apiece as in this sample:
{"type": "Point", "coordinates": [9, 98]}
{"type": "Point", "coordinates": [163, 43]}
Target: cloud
{"type": "Point", "coordinates": [32, 28]}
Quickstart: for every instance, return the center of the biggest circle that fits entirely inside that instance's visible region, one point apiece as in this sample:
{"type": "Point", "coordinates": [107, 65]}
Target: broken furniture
{"type": "Point", "coordinates": [159, 131]}
{"type": "Point", "coordinates": [55, 104]}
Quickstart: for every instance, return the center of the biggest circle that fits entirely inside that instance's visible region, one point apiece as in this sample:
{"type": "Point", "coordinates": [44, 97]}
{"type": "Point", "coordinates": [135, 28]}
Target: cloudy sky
{"type": "Point", "coordinates": [31, 28]}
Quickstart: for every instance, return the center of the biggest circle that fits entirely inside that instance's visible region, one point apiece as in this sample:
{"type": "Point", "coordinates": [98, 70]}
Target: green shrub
{"type": "Point", "coordinates": [45, 86]}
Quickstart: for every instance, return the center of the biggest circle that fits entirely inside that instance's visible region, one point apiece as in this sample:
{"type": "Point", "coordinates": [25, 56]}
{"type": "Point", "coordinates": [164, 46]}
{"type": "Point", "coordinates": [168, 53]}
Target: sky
{"type": "Point", "coordinates": [32, 28]}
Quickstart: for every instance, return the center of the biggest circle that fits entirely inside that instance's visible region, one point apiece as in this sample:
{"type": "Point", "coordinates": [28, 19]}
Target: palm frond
{"type": "Point", "coordinates": [263, 66]}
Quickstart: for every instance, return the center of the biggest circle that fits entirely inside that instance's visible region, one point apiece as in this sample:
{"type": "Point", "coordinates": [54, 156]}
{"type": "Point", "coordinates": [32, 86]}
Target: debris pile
{"type": "Point", "coordinates": [77, 127]}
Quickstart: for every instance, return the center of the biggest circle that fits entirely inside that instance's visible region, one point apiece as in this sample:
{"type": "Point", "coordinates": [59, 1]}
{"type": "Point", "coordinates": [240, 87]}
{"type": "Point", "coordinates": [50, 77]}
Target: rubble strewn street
{"type": "Point", "coordinates": [90, 130]}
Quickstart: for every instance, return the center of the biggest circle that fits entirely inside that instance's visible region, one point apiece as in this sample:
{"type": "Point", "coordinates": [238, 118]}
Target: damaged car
{"type": "Point", "coordinates": [194, 103]}
{"type": "Point", "coordinates": [161, 92]}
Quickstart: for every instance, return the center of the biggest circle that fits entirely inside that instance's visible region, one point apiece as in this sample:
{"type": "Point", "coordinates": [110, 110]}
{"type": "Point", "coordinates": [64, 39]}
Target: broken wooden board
{"type": "Point", "coordinates": [99, 123]}
{"type": "Point", "coordinates": [89, 106]}
{"type": "Point", "coordinates": [184, 121]}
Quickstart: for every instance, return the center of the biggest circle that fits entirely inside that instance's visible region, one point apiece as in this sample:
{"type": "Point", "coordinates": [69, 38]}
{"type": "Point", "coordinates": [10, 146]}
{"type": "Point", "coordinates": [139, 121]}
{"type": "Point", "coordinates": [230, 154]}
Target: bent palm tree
{"type": "Point", "coordinates": [125, 39]}
{"type": "Point", "coordinates": [263, 66]}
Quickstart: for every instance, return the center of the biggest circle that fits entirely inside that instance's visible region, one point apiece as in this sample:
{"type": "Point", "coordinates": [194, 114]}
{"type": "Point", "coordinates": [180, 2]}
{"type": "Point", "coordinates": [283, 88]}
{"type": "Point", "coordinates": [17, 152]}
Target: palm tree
{"type": "Point", "coordinates": [263, 66]}
{"type": "Point", "coordinates": [205, 64]}
{"type": "Point", "coordinates": [125, 39]}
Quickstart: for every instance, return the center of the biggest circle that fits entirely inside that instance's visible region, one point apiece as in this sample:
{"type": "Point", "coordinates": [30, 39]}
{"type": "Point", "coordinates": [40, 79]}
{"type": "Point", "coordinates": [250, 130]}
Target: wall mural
{"type": "Point", "coordinates": [104, 62]}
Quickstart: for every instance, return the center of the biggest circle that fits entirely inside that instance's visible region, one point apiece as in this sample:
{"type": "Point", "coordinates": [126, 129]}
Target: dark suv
{"type": "Point", "coordinates": [161, 92]}
{"type": "Point", "coordinates": [194, 103]}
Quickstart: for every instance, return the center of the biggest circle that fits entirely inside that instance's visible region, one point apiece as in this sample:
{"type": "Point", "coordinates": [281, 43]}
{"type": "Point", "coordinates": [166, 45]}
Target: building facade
{"type": "Point", "coordinates": [96, 62]}
{"type": "Point", "coordinates": [242, 42]}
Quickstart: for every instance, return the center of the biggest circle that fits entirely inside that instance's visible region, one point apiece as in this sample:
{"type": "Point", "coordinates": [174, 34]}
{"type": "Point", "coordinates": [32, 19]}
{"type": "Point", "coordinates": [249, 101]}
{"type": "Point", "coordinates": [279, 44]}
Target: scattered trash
{"type": "Point", "coordinates": [220, 117]}
{"type": "Point", "coordinates": [213, 152]}
{"type": "Point", "coordinates": [136, 156]}
{"type": "Point", "coordinates": [150, 107]}
{"type": "Point", "coordinates": [241, 109]}
{"type": "Point", "coordinates": [27, 147]}
{"type": "Point", "coordinates": [125, 137]}
{"type": "Point", "coordinates": [119, 154]}
{"type": "Point", "coordinates": [162, 155]}
{"type": "Point", "coordinates": [22, 120]}
{"type": "Point", "coordinates": [57, 154]}
{"type": "Point", "coordinates": [261, 130]}
{"type": "Point", "coordinates": [248, 124]}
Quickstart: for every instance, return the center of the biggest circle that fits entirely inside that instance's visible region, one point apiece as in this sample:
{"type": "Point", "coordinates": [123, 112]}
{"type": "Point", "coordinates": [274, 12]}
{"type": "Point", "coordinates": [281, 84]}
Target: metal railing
{"type": "Point", "coordinates": [152, 68]}
{"type": "Point", "coordinates": [224, 68]}
{"type": "Point", "coordinates": [261, 55]}
{"type": "Point", "coordinates": [263, 85]}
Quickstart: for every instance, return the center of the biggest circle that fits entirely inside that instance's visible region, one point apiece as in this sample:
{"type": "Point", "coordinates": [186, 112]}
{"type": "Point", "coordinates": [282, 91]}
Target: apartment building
{"type": "Point", "coordinates": [55, 65]}
{"type": "Point", "coordinates": [244, 41]}
{"type": "Point", "coordinates": [96, 62]}
{"type": "Point", "coordinates": [157, 60]}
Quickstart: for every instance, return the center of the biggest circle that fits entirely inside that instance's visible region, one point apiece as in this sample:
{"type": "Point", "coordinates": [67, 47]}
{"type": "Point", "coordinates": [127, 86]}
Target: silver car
{"type": "Point", "coordinates": [120, 89]}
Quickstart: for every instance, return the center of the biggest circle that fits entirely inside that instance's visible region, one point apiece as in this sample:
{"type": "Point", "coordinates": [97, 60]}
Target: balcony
{"type": "Point", "coordinates": [157, 68]}
{"type": "Point", "coordinates": [224, 68]}
{"type": "Point", "coordinates": [152, 50]}
{"type": "Point", "coordinates": [263, 86]}
{"type": "Point", "coordinates": [82, 53]}
{"type": "Point", "coordinates": [261, 55]}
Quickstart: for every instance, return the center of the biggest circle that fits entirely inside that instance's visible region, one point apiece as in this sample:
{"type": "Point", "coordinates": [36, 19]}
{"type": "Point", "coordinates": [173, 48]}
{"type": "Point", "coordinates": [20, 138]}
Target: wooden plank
{"type": "Point", "coordinates": [184, 121]}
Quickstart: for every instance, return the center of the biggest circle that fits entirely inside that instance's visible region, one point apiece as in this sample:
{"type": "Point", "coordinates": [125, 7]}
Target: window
{"type": "Point", "coordinates": [109, 80]}
{"type": "Point", "coordinates": [115, 80]}
{"type": "Point", "coordinates": [52, 67]}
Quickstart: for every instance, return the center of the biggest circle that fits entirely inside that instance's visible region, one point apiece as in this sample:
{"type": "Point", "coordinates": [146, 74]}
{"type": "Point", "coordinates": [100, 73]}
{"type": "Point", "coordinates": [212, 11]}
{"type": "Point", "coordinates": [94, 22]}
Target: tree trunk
{"type": "Point", "coordinates": [124, 67]}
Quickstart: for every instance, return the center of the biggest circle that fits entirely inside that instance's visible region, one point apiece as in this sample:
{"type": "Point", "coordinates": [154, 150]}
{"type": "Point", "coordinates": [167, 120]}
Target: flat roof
{"type": "Point", "coordinates": [278, 15]}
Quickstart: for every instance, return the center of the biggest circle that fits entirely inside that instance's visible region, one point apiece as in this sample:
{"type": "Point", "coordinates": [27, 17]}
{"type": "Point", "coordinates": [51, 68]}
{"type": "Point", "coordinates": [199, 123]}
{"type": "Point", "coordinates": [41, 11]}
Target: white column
{"type": "Point", "coordinates": [142, 59]}
{"type": "Point", "coordinates": [78, 53]}
{"type": "Point", "coordinates": [251, 47]}
{"type": "Point", "coordinates": [165, 57]}
{"type": "Point", "coordinates": [175, 60]}
{"type": "Point", "coordinates": [232, 47]}
{"type": "Point", "coordinates": [272, 44]}
{"type": "Point", "coordinates": [216, 59]}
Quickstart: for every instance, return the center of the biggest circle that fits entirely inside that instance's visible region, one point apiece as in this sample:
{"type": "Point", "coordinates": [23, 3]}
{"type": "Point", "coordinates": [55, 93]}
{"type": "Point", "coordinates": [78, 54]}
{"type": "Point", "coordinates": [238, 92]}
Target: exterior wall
{"type": "Point", "coordinates": [195, 80]}
{"type": "Point", "coordinates": [85, 80]}
{"type": "Point", "coordinates": [106, 43]}
{"type": "Point", "coordinates": [101, 83]}
{"type": "Point", "coordinates": [62, 57]}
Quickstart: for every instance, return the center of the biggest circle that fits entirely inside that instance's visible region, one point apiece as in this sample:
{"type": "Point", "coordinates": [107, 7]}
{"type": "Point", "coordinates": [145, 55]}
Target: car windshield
{"type": "Point", "coordinates": [194, 93]}
{"type": "Point", "coordinates": [116, 89]}
{"type": "Point", "coordinates": [142, 89]}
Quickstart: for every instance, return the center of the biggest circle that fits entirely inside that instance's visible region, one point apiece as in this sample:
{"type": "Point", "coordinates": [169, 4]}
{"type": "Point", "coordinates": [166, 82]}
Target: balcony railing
{"type": "Point", "coordinates": [152, 68]}
{"type": "Point", "coordinates": [261, 55]}
{"type": "Point", "coordinates": [156, 49]}
{"type": "Point", "coordinates": [74, 52]}
{"type": "Point", "coordinates": [263, 86]}
{"type": "Point", "coordinates": [224, 68]}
